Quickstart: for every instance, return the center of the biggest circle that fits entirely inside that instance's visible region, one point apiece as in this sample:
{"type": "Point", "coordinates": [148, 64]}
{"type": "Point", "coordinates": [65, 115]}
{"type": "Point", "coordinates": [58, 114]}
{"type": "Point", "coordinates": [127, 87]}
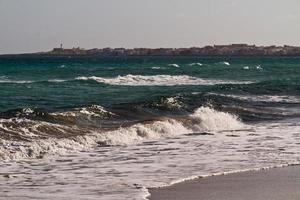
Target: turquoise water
{"type": "Point", "coordinates": [31, 82]}
{"type": "Point", "coordinates": [83, 128]}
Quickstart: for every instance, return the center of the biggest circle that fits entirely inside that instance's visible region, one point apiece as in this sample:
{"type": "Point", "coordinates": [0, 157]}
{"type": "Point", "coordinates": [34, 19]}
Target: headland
{"type": "Point", "coordinates": [242, 50]}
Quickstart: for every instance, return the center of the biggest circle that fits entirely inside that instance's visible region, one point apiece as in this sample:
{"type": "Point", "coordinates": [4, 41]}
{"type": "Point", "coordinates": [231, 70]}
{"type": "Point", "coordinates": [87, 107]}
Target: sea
{"type": "Point", "coordinates": [111, 128]}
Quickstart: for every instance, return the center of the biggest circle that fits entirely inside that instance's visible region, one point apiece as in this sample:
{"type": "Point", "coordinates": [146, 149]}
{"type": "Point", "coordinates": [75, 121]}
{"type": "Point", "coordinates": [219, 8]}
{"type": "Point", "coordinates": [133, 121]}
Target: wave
{"type": "Point", "coordinates": [196, 64]}
{"type": "Point", "coordinates": [207, 119]}
{"type": "Point", "coordinates": [157, 80]}
{"type": "Point", "coordinates": [62, 66]}
{"type": "Point", "coordinates": [170, 103]}
{"type": "Point", "coordinates": [155, 67]}
{"type": "Point", "coordinates": [174, 65]}
{"type": "Point", "coordinates": [204, 119]}
{"type": "Point", "coordinates": [258, 67]}
{"type": "Point", "coordinates": [16, 81]}
{"type": "Point", "coordinates": [93, 110]}
{"type": "Point", "coordinates": [263, 98]}
{"type": "Point", "coordinates": [25, 138]}
{"type": "Point", "coordinates": [56, 80]}
{"type": "Point", "coordinates": [31, 81]}
{"type": "Point", "coordinates": [137, 80]}
{"type": "Point", "coordinates": [224, 63]}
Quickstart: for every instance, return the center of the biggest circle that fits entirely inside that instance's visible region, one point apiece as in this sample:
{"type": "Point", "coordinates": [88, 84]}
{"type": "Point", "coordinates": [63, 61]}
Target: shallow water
{"type": "Point", "coordinates": [123, 172]}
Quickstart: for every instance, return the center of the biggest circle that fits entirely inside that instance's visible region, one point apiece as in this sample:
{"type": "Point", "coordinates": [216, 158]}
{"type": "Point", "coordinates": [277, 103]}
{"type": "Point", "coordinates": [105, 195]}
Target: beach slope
{"type": "Point", "coordinates": [274, 184]}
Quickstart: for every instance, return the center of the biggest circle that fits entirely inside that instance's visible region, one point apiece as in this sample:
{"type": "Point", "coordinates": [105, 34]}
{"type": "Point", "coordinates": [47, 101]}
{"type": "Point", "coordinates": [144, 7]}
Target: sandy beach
{"type": "Point", "coordinates": [274, 184]}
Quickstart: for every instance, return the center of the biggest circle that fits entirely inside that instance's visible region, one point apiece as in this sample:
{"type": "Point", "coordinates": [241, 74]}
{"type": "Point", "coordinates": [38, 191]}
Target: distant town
{"type": "Point", "coordinates": [216, 50]}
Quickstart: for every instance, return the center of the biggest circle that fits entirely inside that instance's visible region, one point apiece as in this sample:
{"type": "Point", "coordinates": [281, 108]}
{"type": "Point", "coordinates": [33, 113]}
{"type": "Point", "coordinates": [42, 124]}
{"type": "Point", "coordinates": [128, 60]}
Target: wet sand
{"type": "Point", "coordinates": [274, 184]}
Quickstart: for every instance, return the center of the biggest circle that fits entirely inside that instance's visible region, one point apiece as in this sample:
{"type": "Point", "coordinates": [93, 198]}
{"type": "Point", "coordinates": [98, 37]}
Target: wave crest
{"type": "Point", "coordinates": [34, 139]}
{"type": "Point", "coordinates": [207, 119]}
{"type": "Point", "coordinates": [157, 80]}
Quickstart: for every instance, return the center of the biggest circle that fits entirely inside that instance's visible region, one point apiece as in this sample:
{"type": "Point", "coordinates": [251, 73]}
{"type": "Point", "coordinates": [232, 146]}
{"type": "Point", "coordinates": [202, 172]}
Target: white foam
{"type": "Point", "coordinates": [174, 65]}
{"type": "Point", "coordinates": [157, 163]}
{"type": "Point", "coordinates": [27, 111]}
{"type": "Point", "coordinates": [257, 169]}
{"type": "Point", "coordinates": [208, 119]}
{"type": "Point", "coordinates": [204, 119]}
{"type": "Point", "coordinates": [15, 81]}
{"type": "Point", "coordinates": [30, 81]}
{"type": "Point", "coordinates": [196, 64]}
{"type": "Point", "coordinates": [56, 80]}
{"type": "Point", "coordinates": [259, 67]}
{"type": "Point", "coordinates": [140, 132]}
{"type": "Point", "coordinates": [155, 67]}
{"type": "Point", "coordinates": [33, 131]}
{"type": "Point", "coordinates": [170, 103]}
{"type": "Point", "coordinates": [157, 80]}
{"type": "Point", "coordinates": [173, 102]}
{"type": "Point", "coordinates": [93, 110]}
{"type": "Point", "coordinates": [14, 150]}
{"type": "Point", "coordinates": [225, 63]}
{"type": "Point", "coordinates": [263, 98]}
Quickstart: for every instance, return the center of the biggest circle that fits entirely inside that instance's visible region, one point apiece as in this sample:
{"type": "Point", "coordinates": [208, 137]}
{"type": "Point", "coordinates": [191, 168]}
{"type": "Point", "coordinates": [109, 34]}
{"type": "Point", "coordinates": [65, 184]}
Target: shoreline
{"type": "Point", "coordinates": [275, 183]}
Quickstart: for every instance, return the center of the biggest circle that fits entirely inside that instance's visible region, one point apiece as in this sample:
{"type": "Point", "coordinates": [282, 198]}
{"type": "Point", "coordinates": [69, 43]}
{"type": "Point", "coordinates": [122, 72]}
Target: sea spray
{"type": "Point", "coordinates": [208, 119]}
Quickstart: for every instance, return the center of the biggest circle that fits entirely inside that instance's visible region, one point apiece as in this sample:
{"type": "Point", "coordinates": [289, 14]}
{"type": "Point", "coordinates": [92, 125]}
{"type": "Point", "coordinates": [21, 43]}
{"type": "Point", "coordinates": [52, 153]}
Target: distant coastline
{"type": "Point", "coordinates": [216, 50]}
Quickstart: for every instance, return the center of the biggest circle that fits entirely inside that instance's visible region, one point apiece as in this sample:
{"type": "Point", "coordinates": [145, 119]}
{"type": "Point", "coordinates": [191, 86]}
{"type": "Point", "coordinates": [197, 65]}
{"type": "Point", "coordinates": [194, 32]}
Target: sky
{"type": "Point", "coordinates": [40, 25]}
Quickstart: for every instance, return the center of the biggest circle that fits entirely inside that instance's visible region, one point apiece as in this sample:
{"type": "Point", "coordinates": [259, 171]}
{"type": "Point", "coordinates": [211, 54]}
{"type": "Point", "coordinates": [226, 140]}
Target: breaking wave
{"type": "Point", "coordinates": [263, 98]}
{"type": "Point", "coordinates": [155, 67]}
{"type": "Point", "coordinates": [31, 81]}
{"type": "Point", "coordinates": [174, 65]}
{"type": "Point", "coordinates": [25, 138]}
{"type": "Point", "coordinates": [225, 63]}
{"type": "Point", "coordinates": [15, 81]}
{"type": "Point", "coordinates": [158, 80]}
{"type": "Point", "coordinates": [207, 119]}
{"type": "Point", "coordinates": [196, 64]}
{"type": "Point", "coordinates": [136, 80]}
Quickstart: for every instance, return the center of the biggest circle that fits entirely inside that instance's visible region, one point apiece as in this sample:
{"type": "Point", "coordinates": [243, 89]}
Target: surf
{"type": "Point", "coordinates": [34, 138]}
{"type": "Point", "coordinates": [157, 80]}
